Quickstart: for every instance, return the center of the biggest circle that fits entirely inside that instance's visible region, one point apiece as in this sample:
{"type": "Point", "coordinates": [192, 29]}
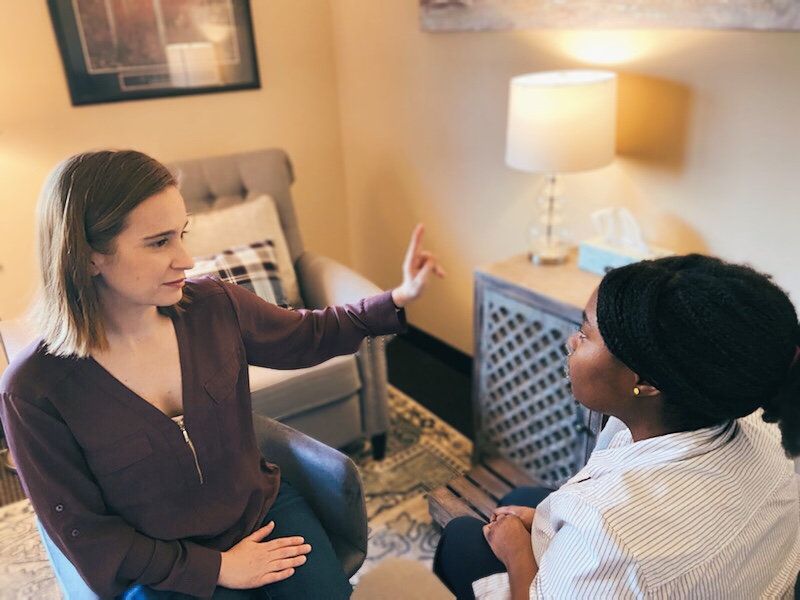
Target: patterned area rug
{"type": "Point", "coordinates": [10, 487]}
{"type": "Point", "coordinates": [423, 453]}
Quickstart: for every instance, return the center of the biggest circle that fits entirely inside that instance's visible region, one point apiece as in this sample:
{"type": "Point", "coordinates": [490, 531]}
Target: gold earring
{"type": "Point", "coordinates": [636, 391]}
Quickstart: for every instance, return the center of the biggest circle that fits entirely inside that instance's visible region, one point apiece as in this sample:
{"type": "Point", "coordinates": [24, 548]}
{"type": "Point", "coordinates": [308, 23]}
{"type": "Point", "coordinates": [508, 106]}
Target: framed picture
{"type": "Point", "coordinates": [117, 50]}
{"type": "Point", "coordinates": [479, 15]}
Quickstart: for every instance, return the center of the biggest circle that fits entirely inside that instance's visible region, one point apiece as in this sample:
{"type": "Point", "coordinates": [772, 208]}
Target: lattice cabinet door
{"type": "Point", "coordinates": [525, 411]}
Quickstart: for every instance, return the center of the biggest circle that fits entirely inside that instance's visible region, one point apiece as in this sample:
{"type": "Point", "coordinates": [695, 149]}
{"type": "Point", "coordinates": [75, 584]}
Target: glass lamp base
{"type": "Point", "coordinates": [549, 238]}
{"type": "Point", "coordinates": [552, 249]}
{"type": "Point", "coordinates": [544, 259]}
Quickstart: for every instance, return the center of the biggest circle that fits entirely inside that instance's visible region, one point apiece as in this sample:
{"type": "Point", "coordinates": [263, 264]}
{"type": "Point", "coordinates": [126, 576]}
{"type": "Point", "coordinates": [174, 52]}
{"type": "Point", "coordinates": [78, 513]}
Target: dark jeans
{"type": "Point", "coordinates": [320, 577]}
{"type": "Point", "coordinates": [463, 554]}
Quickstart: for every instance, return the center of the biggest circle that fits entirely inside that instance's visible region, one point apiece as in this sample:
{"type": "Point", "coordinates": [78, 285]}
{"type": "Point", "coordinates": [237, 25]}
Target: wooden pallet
{"type": "Point", "coordinates": [477, 492]}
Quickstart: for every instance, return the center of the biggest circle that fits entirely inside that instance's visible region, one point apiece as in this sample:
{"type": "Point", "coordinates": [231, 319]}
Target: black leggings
{"type": "Point", "coordinates": [463, 554]}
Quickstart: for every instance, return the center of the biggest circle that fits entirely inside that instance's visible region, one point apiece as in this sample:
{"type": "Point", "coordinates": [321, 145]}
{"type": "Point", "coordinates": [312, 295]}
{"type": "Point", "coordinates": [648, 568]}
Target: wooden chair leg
{"type": "Point", "coordinates": [379, 446]}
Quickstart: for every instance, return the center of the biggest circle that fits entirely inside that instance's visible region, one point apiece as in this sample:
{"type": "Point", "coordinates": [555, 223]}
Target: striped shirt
{"type": "Point", "coordinates": [712, 513]}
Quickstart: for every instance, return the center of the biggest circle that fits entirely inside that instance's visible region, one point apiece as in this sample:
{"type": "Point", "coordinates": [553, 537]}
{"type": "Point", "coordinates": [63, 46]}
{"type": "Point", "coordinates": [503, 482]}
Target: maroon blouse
{"type": "Point", "coordinates": [112, 478]}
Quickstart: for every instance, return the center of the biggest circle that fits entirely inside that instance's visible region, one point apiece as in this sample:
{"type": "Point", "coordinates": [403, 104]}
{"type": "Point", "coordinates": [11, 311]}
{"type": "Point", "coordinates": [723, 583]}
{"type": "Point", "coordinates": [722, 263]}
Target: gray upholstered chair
{"type": "Point", "coordinates": [328, 480]}
{"type": "Point", "coordinates": [341, 400]}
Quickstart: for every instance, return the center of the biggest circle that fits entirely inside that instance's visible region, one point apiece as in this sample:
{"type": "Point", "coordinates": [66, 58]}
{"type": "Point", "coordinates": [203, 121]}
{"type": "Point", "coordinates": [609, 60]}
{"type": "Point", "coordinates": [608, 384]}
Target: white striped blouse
{"type": "Point", "coordinates": [712, 513]}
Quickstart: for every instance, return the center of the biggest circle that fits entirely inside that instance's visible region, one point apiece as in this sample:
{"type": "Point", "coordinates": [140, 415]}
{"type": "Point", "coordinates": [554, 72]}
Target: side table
{"type": "Point", "coordinates": [529, 429]}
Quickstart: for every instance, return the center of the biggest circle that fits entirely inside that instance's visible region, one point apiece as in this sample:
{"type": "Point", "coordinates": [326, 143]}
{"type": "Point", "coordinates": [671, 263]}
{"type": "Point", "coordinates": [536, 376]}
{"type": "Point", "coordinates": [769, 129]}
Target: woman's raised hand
{"type": "Point", "coordinates": [417, 268]}
{"type": "Point", "coordinates": [252, 563]}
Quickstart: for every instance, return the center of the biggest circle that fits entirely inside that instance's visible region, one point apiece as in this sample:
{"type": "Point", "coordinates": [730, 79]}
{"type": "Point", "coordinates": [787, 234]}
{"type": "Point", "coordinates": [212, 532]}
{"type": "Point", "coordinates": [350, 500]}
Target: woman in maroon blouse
{"type": "Point", "coordinates": [130, 420]}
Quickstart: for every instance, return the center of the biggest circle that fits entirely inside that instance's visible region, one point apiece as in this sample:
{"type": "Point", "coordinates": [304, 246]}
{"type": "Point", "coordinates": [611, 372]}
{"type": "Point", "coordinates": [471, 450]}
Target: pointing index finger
{"type": "Point", "coordinates": [416, 238]}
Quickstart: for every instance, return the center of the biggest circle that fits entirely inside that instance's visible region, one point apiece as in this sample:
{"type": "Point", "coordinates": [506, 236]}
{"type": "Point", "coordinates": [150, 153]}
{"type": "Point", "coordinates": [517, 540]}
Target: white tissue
{"type": "Point", "coordinates": [618, 227]}
{"type": "Point", "coordinates": [619, 242]}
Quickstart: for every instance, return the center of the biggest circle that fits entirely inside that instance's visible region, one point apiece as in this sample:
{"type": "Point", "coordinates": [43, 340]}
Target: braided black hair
{"type": "Point", "coordinates": [718, 340]}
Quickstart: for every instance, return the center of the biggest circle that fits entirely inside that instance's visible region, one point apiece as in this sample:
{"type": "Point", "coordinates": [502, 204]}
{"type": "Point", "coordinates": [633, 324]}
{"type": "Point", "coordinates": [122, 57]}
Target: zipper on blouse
{"type": "Point", "coordinates": [191, 447]}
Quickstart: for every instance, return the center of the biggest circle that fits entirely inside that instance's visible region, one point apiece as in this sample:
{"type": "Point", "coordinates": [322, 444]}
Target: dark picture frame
{"type": "Point", "coordinates": [117, 50]}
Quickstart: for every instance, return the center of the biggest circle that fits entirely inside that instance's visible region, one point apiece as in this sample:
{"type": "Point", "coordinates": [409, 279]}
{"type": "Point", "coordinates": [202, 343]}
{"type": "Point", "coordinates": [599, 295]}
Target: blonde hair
{"type": "Point", "coordinates": [83, 207]}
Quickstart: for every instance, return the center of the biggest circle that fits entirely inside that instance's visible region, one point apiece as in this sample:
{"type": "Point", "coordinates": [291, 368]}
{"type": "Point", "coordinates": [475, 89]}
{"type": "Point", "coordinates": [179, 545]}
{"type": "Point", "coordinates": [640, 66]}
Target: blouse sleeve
{"type": "Point", "coordinates": [110, 555]}
{"type": "Point", "coordinates": [289, 339]}
{"type": "Point", "coordinates": [584, 557]}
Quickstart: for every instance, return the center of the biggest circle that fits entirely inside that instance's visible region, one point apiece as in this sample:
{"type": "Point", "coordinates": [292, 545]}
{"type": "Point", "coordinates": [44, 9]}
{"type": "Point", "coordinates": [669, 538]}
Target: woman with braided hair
{"type": "Point", "coordinates": [691, 492]}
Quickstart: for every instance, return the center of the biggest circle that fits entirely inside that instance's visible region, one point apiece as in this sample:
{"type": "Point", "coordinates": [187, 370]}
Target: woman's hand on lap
{"type": "Point", "coordinates": [508, 538]}
{"type": "Point", "coordinates": [252, 563]}
{"type": "Point", "coordinates": [511, 544]}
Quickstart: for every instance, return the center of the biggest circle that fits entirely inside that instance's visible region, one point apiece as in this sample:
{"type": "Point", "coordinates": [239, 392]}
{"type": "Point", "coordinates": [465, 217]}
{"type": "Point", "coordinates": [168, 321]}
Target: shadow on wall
{"type": "Point", "coordinates": [652, 121]}
{"type": "Point", "coordinates": [676, 234]}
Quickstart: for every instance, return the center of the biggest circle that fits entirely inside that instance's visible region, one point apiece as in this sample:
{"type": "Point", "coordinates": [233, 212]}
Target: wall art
{"type": "Point", "coordinates": [477, 15]}
{"type": "Point", "coordinates": [116, 50]}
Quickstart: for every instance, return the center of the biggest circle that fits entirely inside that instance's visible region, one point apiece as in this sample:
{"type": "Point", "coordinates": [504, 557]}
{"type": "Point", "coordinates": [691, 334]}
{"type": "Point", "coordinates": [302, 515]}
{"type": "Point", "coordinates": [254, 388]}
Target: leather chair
{"type": "Point", "coordinates": [328, 480]}
{"type": "Point", "coordinates": [343, 399]}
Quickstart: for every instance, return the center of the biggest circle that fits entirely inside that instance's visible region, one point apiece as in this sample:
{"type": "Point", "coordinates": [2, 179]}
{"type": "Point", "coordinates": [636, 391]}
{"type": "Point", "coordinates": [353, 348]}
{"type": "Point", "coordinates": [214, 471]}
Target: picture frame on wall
{"type": "Point", "coordinates": [117, 50]}
{"type": "Point", "coordinates": [486, 15]}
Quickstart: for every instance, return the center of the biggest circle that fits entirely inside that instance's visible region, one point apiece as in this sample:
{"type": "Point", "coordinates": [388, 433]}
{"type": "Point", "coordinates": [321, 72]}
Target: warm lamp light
{"type": "Point", "coordinates": [559, 122]}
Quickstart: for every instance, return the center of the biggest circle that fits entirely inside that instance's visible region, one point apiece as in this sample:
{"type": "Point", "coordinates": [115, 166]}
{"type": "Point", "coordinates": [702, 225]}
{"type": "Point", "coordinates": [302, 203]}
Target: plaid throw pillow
{"type": "Point", "coordinates": [252, 266]}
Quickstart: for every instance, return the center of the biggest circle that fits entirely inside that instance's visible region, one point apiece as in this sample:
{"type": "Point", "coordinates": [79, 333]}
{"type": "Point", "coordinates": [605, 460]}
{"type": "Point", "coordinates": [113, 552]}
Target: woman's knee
{"type": "Point", "coordinates": [462, 530]}
{"type": "Point", "coordinates": [461, 524]}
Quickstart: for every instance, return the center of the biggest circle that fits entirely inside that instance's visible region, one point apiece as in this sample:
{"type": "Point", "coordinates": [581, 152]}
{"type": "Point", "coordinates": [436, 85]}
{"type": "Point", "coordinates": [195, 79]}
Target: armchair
{"type": "Point", "coordinates": [328, 480]}
{"type": "Point", "coordinates": [341, 400]}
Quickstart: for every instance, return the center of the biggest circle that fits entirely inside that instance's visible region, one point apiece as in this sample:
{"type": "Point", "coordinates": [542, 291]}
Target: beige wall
{"type": "Point", "coordinates": [709, 128]}
{"type": "Point", "coordinates": [708, 133]}
{"type": "Point", "coordinates": [296, 108]}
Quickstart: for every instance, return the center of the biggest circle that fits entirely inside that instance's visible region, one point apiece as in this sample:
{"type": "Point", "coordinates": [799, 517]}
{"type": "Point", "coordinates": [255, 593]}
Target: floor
{"type": "Point", "coordinates": [440, 387]}
{"type": "Point", "coordinates": [10, 487]}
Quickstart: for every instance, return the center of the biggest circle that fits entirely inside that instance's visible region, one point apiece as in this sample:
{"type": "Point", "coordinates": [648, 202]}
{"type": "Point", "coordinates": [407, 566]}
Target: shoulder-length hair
{"type": "Point", "coordinates": [83, 207]}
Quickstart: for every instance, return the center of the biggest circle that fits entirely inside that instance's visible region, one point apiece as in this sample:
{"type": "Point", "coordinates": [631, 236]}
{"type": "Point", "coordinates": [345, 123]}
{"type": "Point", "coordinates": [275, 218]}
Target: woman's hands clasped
{"type": "Point", "coordinates": [417, 268]}
{"type": "Point", "coordinates": [252, 563]}
{"type": "Point", "coordinates": [525, 514]}
{"type": "Point", "coordinates": [509, 531]}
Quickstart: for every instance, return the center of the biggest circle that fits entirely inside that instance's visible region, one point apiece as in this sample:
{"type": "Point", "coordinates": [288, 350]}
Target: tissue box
{"type": "Point", "coordinates": [598, 256]}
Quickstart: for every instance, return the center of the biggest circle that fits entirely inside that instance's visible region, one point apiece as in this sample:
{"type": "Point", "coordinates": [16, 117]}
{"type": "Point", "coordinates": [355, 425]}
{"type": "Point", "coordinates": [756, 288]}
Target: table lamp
{"type": "Point", "coordinates": [559, 122]}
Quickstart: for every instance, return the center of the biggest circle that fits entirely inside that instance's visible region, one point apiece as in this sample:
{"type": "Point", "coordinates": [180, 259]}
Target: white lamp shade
{"type": "Point", "coordinates": [562, 121]}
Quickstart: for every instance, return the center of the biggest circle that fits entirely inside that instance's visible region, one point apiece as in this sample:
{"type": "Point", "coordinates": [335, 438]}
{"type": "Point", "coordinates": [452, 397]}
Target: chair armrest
{"type": "Point", "coordinates": [15, 334]}
{"type": "Point", "coordinates": [326, 282]}
{"type": "Point", "coordinates": [327, 479]}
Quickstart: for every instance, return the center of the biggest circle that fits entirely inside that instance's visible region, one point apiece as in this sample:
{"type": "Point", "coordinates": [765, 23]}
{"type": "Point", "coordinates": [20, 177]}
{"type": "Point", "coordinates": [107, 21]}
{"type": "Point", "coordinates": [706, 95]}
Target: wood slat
{"type": "Point", "coordinates": [473, 495]}
{"type": "Point", "coordinates": [476, 493]}
{"type": "Point", "coordinates": [444, 505]}
{"type": "Point", "coordinates": [515, 476]}
{"type": "Point", "coordinates": [495, 487]}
